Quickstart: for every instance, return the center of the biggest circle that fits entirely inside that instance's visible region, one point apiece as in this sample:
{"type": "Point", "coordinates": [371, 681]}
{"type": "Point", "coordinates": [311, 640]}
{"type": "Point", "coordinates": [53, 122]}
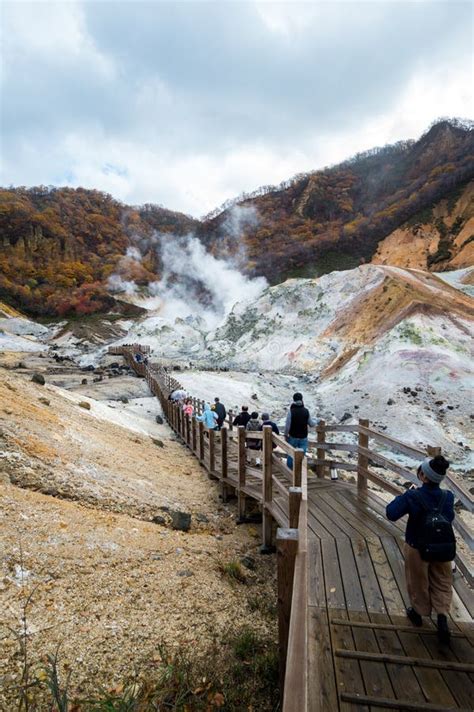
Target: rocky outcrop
{"type": "Point", "coordinates": [440, 238]}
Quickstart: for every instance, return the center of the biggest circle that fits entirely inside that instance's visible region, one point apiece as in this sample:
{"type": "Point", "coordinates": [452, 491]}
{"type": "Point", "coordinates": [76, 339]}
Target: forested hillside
{"type": "Point", "coordinates": [59, 246]}
{"type": "Point", "coordinates": [335, 218]}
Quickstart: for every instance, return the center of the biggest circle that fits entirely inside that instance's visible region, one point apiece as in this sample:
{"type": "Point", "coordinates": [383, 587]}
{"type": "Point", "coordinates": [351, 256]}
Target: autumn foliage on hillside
{"type": "Point", "coordinates": [334, 218]}
{"type": "Point", "coordinates": [58, 247]}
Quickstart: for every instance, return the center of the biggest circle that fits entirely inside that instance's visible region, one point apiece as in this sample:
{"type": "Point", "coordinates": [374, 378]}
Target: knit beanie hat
{"type": "Point", "coordinates": [435, 469]}
{"type": "Point", "coordinates": [297, 397]}
{"type": "Point", "coordinates": [254, 416]}
{"type": "Point", "coordinates": [265, 416]}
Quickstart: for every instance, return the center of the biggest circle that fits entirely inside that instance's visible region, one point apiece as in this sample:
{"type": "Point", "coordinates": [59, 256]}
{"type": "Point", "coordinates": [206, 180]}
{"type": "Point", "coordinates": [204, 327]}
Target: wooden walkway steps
{"type": "Point", "coordinates": [362, 652]}
{"type": "Point", "coordinates": [345, 642]}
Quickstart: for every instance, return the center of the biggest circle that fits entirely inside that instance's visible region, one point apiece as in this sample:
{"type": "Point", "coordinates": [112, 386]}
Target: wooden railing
{"type": "Point", "coordinates": [283, 496]}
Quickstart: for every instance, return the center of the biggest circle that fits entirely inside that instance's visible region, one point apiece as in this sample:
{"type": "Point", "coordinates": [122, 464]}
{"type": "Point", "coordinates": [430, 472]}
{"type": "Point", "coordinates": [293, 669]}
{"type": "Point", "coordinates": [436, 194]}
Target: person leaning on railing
{"type": "Point", "coordinates": [430, 545]}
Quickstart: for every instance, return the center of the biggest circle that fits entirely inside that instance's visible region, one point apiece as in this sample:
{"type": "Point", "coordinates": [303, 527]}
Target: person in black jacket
{"type": "Point", "coordinates": [221, 412]}
{"type": "Point", "coordinates": [298, 420]}
{"type": "Point", "coordinates": [243, 417]}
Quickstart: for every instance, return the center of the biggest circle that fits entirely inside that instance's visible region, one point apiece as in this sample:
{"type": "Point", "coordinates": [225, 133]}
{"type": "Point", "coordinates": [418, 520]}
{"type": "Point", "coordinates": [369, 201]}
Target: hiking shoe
{"type": "Point", "coordinates": [415, 617]}
{"type": "Point", "coordinates": [444, 636]}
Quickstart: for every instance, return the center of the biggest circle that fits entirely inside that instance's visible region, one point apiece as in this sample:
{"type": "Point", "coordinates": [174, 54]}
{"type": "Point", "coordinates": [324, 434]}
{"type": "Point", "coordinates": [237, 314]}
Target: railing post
{"type": "Point", "coordinates": [433, 451]}
{"type": "Point", "coordinates": [187, 424]}
{"type": "Point", "coordinates": [321, 453]}
{"type": "Point", "coordinates": [225, 488]}
{"type": "Point", "coordinates": [298, 458]}
{"type": "Point", "coordinates": [362, 460]}
{"type": "Point", "coordinates": [287, 548]}
{"type": "Point", "coordinates": [212, 451]}
{"type": "Point", "coordinates": [267, 520]}
{"type": "Point", "coordinates": [201, 440]}
{"type": "Point", "coordinates": [230, 415]}
{"type": "Point", "coordinates": [296, 494]}
{"type": "Point", "coordinates": [241, 466]}
{"type": "Point", "coordinates": [193, 433]}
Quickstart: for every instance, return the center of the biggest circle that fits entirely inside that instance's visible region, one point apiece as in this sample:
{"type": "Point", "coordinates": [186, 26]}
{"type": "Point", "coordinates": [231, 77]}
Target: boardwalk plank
{"type": "Point", "coordinates": [372, 594]}
{"type": "Point", "coordinates": [459, 683]}
{"type": "Point", "coordinates": [376, 680]}
{"type": "Point", "coordinates": [332, 520]}
{"type": "Point", "coordinates": [338, 504]}
{"type": "Point", "coordinates": [374, 516]}
{"type": "Point", "coordinates": [350, 577]}
{"type": "Point", "coordinates": [316, 591]}
{"type": "Point", "coordinates": [387, 582]}
{"type": "Point", "coordinates": [431, 681]}
{"type": "Point", "coordinates": [403, 678]}
{"type": "Point", "coordinates": [322, 690]}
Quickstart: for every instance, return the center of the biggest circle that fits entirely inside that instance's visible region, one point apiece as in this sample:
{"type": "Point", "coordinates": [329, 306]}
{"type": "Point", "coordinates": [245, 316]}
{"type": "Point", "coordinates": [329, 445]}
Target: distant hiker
{"type": "Point", "coordinates": [266, 421]}
{"type": "Point", "coordinates": [138, 357]}
{"type": "Point", "coordinates": [145, 360]}
{"type": "Point", "coordinates": [188, 408]}
{"type": "Point", "coordinates": [253, 426]}
{"type": "Point", "coordinates": [209, 417]}
{"type": "Point", "coordinates": [429, 544]}
{"type": "Point", "coordinates": [243, 417]}
{"type": "Point", "coordinates": [298, 420]}
{"type": "Point", "coordinates": [221, 412]}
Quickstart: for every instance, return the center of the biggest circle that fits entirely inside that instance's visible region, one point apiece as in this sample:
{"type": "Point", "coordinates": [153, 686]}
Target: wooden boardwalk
{"type": "Point", "coordinates": [345, 642]}
{"type": "Point", "coordinates": [362, 651]}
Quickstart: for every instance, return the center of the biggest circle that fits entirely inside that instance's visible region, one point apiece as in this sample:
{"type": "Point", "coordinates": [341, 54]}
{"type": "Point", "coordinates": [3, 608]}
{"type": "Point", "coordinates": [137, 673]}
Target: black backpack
{"type": "Point", "coordinates": [436, 540]}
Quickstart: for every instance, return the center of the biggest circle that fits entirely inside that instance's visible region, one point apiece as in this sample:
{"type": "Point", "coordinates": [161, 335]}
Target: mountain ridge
{"type": "Point", "coordinates": [60, 246]}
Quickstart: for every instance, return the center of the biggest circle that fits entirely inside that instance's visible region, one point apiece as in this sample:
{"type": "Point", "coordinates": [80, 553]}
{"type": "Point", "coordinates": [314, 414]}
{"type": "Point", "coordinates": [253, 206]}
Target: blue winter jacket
{"type": "Point", "coordinates": [209, 417]}
{"type": "Point", "coordinates": [409, 503]}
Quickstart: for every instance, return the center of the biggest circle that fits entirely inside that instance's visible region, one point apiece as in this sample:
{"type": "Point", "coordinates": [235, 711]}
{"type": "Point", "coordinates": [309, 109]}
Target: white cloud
{"type": "Point", "coordinates": [189, 104]}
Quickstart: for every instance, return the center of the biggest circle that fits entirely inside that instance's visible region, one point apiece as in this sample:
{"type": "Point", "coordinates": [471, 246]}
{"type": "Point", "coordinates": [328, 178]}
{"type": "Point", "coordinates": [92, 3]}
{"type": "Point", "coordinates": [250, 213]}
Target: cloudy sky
{"type": "Point", "coordinates": [190, 103]}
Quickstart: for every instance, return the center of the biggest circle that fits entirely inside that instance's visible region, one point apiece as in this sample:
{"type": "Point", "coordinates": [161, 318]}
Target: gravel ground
{"type": "Point", "coordinates": [109, 584]}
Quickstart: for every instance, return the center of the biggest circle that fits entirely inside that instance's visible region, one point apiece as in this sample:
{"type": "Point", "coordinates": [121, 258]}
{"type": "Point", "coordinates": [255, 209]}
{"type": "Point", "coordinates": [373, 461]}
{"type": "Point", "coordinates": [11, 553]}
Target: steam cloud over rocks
{"type": "Point", "coordinates": [194, 283]}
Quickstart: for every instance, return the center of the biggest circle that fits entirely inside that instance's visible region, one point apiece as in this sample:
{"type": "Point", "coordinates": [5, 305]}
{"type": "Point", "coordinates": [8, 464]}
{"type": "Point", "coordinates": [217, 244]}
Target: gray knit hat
{"type": "Point", "coordinates": [435, 469]}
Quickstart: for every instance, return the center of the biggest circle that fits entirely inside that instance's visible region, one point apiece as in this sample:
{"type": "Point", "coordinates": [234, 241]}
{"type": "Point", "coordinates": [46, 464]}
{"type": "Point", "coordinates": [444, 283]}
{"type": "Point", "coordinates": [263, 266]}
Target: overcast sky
{"type": "Point", "coordinates": [190, 103]}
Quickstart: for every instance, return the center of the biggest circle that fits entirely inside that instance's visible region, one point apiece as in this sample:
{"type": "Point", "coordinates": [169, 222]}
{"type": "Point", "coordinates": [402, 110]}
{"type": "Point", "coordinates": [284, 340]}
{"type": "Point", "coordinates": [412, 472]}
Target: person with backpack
{"type": "Point", "coordinates": [221, 412]}
{"type": "Point", "coordinates": [430, 544]}
{"type": "Point", "coordinates": [298, 420]}
{"type": "Point", "coordinates": [254, 426]}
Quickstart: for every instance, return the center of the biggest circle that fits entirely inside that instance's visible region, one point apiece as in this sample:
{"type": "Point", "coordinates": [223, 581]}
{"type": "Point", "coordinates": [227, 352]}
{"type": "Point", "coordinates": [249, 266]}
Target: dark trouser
{"type": "Point", "coordinates": [429, 583]}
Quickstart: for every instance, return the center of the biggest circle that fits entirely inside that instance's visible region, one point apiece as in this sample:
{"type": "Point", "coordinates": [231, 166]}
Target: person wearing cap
{"type": "Point", "coordinates": [297, 422]}
{"type": "Point", "coordinates": [429, 583]}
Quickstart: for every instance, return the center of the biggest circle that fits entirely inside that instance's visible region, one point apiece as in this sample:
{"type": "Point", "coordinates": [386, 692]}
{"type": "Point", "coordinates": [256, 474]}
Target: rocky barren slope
{"type": "Point", "coordinates": [115, 530]}
{"type": "Point", "coordinates": [354, 341]}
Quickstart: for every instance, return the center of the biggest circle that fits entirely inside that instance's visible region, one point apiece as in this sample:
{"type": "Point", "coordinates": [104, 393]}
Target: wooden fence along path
{"type": "Point", "coordinates": [345, 642]}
